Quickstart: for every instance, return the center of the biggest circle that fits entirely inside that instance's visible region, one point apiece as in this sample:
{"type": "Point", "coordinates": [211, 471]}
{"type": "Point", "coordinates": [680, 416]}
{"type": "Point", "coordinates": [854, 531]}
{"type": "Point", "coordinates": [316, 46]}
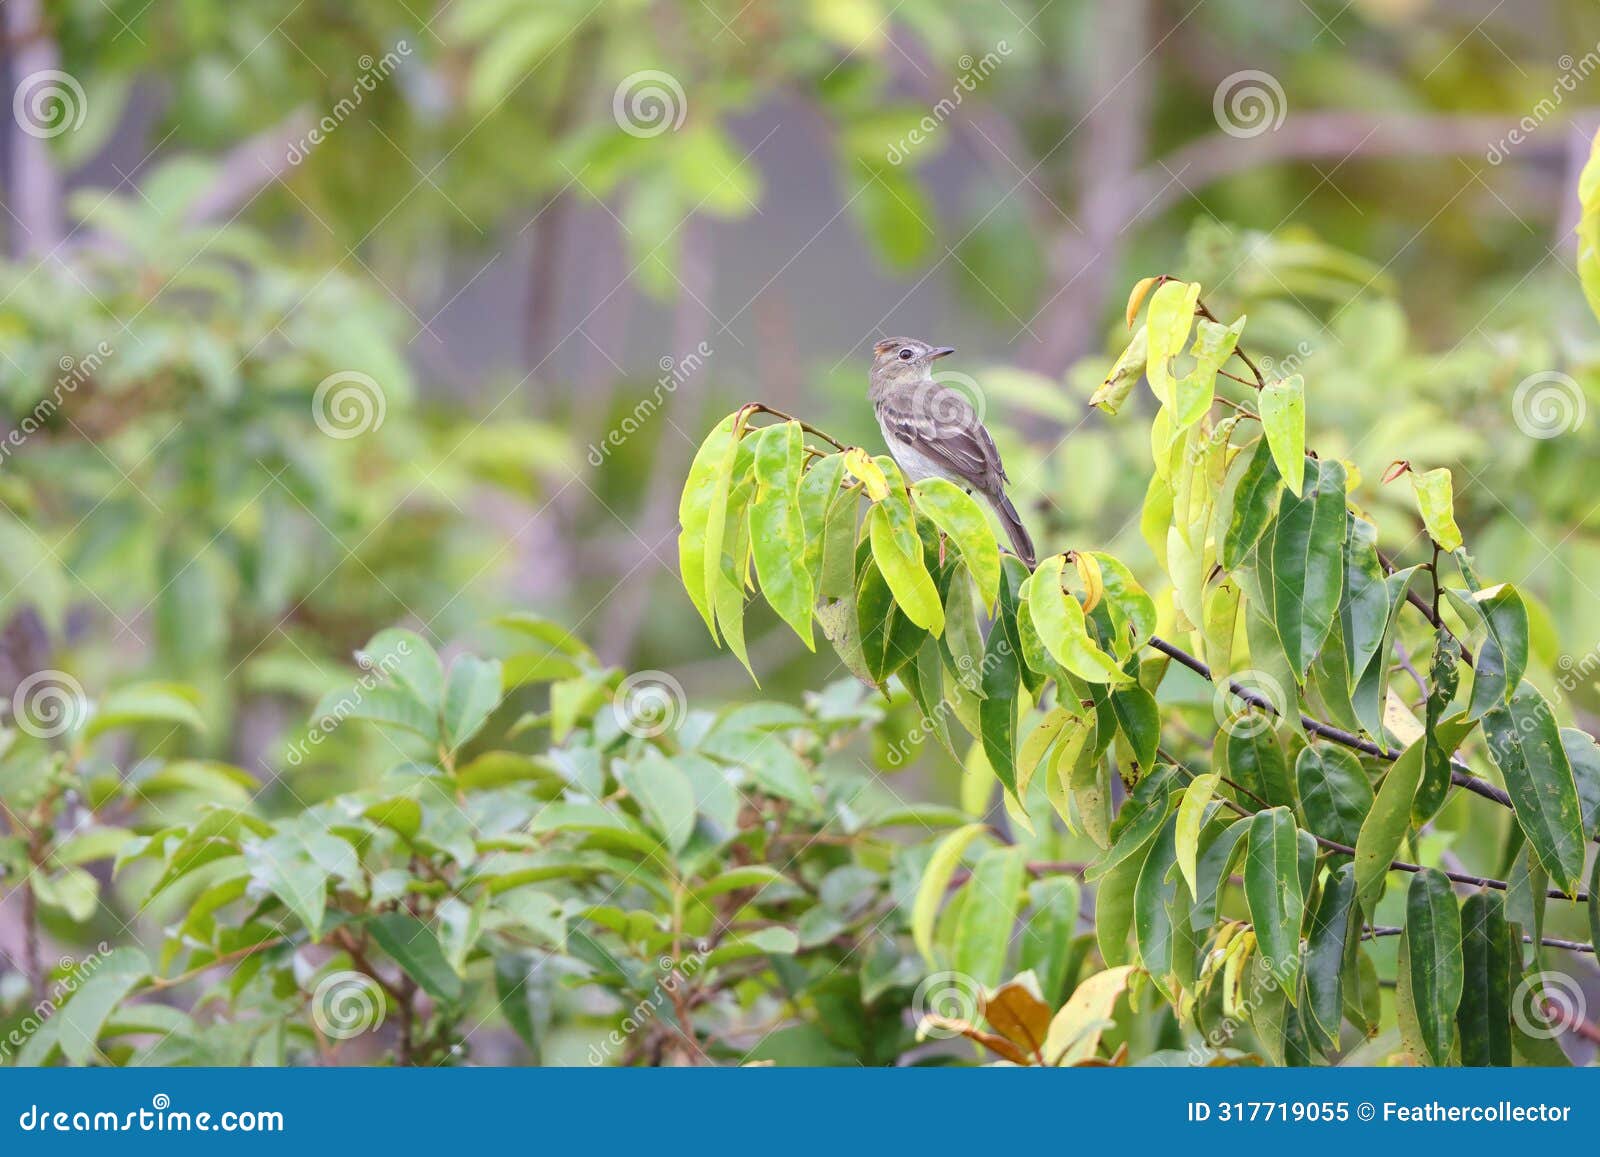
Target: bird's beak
{"type": "Point", "coordinates": [943, 352]}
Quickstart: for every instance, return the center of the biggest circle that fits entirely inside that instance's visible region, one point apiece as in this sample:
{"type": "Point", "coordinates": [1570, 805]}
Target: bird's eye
{"type": "Point", "coordinates": [905, 354]}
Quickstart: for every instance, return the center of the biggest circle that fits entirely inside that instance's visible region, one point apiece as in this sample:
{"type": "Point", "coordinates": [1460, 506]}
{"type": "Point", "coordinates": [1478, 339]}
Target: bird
{"type": "Point", "coordinates": [933, 431]}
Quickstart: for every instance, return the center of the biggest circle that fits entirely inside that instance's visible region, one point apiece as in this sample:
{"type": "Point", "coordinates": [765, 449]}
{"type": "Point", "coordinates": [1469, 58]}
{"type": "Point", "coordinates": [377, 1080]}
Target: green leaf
{"type": "Point", "coordinates": [1283, 417]}
{"type": "Point", "coordinates": [1273, 892]}
{"type": "Point", "coordinates": [81, 1021]}
{"type": "Point", "coordinates": [702, 509]}
{"type": "Point", "coordinates": [1584, 755]}
{"type": "Point", "coordinates": [959, 516]}
{"type": "Point", "coordinates": [1154, 894]}
{"type": "Point", "coordinates": [1435, 500]}
{"type": "Point", "coordinates": [1308, 565]}
{"type": "Point", "coordinates": [778, 529]}
{"type": "Point", "coordinates": [1168, 321]}
{"type": "Point", "coordinates": [295, 865]}
{"type": "Point", "coordinates": [1002, 680]}
{"type": "Point", "coordinates": [386, 704]}
{"type": "Point", "coordinates": [769, 759]}
{"type": "Point", "coordinates": [1332, 927]}
{"type": "Point", "coordinates": [1443, 680]}
{"type": "Point", "coordinates": [1213, 345]}
{"type": "Point", "coordinates": [1386, 825]}
{"type": "Point", "coordinates": [413, 946]}
{"type": "Point", "coordinates": [1255, 501]}
{"type": "Point", "coordinates": [1372, 685]}
{"type": "Point", "coordinates": [905, 573]}
{"type": "Point", "coordinates": [1132, 610]}
{"type": "Point", "coordinates": [1588, 229]}
{"type": "Point", "coordinates": [471, 693]}
{"type": "Point", "coordinates": [1191, 815]}
{"type": "Point", "coordinates": [1434, 977]}
{"type": "Point", "coordinates": [935, 882]}
{"type": "Point", "coordinates": [1139, 720]}
{"type": "Point", "coordinates": [665, 796]}
{"type": "Point", "coordinates": [1503, 657]}
{"type": "Point", "coordinates": [1488, 956]}
{"type": "Point", "coordinates": [407, 657]}
{"type": "Point", "coordinates": [1049, 937]}
{"type": "Point", "coordinates": [1256, 760]}
{"type": "Point", "coordinates": [1364, 609]}
{"type": "Point", "coordinates": [1335, 794]}
{"type": "Point", "coordinates": [820, 492]}
{"type": "Point", "coordinates": [1216, 862]}
{"type": "Point", "coordinates": [169, 703]}
{"type": "Point", "coordinates": [1525, 744]}
{"type": "Point", "coordinates": [1059, 619]}
{"type": "Point", "coordinates": [993, 897]}
{"type": "Point", "coordinates": [1124, 374]}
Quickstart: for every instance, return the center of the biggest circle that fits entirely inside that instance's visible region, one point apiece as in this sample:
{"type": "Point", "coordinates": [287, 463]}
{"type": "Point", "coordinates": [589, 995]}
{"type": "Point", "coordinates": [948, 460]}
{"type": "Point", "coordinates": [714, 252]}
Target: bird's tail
{"type": "Point", "coordinates": [1020, 542]}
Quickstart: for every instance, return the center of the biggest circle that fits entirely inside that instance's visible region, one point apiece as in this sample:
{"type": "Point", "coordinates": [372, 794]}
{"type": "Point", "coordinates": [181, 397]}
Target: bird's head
{"type": "Point", "coordinates": [904, 359]}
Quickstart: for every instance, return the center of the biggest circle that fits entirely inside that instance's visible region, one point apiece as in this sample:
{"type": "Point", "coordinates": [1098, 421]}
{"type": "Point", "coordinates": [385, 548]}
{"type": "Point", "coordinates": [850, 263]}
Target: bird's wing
{"type": "Point", "coordinates": [941, 423]}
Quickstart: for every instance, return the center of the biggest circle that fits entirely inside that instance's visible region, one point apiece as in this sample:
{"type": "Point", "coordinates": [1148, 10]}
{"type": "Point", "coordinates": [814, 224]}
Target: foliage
{"type": "Point", "coordinates": [1328, 766]}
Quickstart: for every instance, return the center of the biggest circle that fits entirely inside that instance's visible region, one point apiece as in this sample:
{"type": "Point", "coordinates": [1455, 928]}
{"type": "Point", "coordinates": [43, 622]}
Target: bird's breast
{"type": "Point", "coordinates": [913, 462]}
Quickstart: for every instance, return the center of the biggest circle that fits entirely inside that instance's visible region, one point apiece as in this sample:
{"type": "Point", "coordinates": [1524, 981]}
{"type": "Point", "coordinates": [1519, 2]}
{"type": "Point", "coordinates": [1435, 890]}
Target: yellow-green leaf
{"type": "Point", "coordinates": [907, 575]}
{"type": "Point", "coordinates": [1283, 416]}
{"type": "Point", "coordinates": [709, 476]}
{"type": "Point", "coordinates": [1191, 816]}
{"type": "Point", "coordinates": [777, 530]}
{"type": "Point", "coordinates": [1436, 502]}
{"type": "Point", "coordinates": [935, 882]}
{"type": "Point", "coordinates": [958, 514]}
{"type": "Point", "coordinates": [861, 466]}
{"type": "Point", "coordinates": [1059, 620]}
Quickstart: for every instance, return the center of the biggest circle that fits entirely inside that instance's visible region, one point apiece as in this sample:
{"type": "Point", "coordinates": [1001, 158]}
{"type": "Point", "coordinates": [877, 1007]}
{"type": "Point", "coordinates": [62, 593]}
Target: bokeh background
{"type": "Point", "coordinates": [323, 315]}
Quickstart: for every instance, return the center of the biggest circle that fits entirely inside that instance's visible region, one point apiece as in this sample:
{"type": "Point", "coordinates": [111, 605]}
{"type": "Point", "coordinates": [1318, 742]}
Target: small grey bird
{"type": "Point", "coordinates": [933, 431]}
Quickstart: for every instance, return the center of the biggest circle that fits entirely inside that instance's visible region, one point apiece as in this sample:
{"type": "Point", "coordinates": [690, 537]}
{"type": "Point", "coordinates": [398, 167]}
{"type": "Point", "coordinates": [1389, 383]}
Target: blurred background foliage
{"type": "Point", "coordinates": [452, 200]}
